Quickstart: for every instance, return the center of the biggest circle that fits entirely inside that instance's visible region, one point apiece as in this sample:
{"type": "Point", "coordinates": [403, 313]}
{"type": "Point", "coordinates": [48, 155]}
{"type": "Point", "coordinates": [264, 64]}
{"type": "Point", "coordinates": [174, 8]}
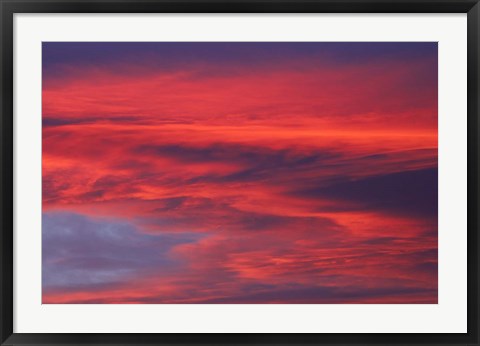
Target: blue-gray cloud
{"type": "Point", "coordinates": [79, 251]}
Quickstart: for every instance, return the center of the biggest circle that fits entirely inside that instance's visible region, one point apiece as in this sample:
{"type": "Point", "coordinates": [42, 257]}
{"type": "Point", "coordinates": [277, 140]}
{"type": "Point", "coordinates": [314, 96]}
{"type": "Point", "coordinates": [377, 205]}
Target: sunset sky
{"type": "Point", "coordinates": [286, 172]}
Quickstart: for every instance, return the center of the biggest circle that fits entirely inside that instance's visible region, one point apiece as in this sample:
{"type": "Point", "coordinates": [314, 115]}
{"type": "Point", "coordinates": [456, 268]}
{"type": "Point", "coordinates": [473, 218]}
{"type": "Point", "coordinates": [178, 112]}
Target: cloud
{"type": "Point", "coordinates": [227, 172]}
{"type": "Point", "coordinates": [410, 193]}
{"type": "Point", "coordinates": [84, 253]}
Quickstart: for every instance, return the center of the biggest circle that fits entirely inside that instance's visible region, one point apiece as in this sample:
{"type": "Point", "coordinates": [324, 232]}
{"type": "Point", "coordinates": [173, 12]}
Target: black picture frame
{"type": "Point", "coordinates": [10, 7]}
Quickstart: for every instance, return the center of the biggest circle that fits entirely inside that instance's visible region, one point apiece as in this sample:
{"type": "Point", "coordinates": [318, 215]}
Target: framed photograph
{"type": "Point", "coordinates": [235, 173]}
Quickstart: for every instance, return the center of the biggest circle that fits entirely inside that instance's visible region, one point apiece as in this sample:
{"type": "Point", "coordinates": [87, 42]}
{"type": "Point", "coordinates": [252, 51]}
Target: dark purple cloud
{"type": "Point", "coordinates": [410, 193]}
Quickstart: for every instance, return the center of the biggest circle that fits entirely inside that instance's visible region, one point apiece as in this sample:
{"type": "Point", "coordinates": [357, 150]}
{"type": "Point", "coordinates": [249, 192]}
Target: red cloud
{"type": "Point", "coordinates": [230, 156]}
